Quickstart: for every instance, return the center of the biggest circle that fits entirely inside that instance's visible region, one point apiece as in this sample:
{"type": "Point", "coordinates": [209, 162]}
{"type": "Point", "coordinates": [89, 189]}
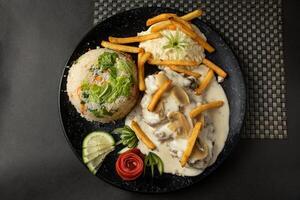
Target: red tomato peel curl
{"type": "Point", "coordinates": [130, 165]}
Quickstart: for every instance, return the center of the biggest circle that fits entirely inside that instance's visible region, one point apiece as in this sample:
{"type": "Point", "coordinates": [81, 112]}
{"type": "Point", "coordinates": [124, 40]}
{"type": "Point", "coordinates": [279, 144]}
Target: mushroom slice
{"type": "Point", "coordinates": [160, 109]}
{"type": "Point", "coordinates": [180, 95]}
{"type": "Point", "coordinates": [161, 78]}
{"type": "Point", "coordinates": [200, 151]}
{"type": "Point", "coordinates": [179, 124]}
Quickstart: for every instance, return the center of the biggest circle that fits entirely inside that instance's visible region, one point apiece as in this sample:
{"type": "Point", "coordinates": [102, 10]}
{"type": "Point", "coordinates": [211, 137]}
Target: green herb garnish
{"type": "Point", "coordinates": [128, 137]}
{"type": "Point", "coordinates": [107, 60]}
{"type": "Point", "coordinates": [119, 82]}
{"type": "Point", "coordinates": [152, 160]}
{"type": "Point", "coordinates": [96, 93]}
{"type": "Point", "coordinates": [175, 42]}
{"type": "Point", "coordinates": [101, 112]}
{"type": "Point", "coordinates": [113, 72]}
{"type": "Point", "coordinates": [108, 92]}
{"type": "Point", "coordinates": [126, 67]}
{"type": "Point", "coordinates": [119, 87]}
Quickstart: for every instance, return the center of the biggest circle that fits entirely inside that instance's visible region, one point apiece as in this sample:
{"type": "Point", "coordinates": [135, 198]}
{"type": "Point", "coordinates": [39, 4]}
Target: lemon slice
{"type": "Point", "coordinates": [98, 139]}
{"type": "Point", "coordinates": [95, 147]}
{"type": "Point", "coordinates": [88, 157]}
{"type": "Point", "coordinates": [95, 164]}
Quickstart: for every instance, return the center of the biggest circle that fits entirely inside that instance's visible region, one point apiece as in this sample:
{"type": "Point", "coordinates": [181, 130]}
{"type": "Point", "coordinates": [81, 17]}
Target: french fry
{"type": "Point", "coordinates": [171, 27]}
{"type": "Point", "coordinates": [202, 120]}
{"type": "Point", "coordinates": [141, 72]}
{"type": "Point", "coordinates": [204, 44]}
{"type": "Point", "coordinates": [211, 105]}
{"type": "Point", "coordinates": [119, 47]}
{"type": "Point", "coordinates": [184, 71]}
{"type": "Point", "coordinates": [140, 38]}
{"type": "Point", "coordinates": [158, 94]}
{"type": "Point", "coordinates": [192, 15]}
{"type": "Point", "coordinates": [214, 67]}
{"type": "Point", "coordinates": [190, 145]}
{"type": "Point", "coordinates": [140, 55]}
{"type": "Point", "coordinates": [159, 18]}
{"type": "Point", "coordinates": [205, 82]}
{"type": "Point", "coordinates": [173, 62]}
{"type": "Point", "coordinates": [190, 32]}
{"type": "Point", "coordinates": [185, 27]}
{"type": "Point", "coordinates": [161, 26]}
{"type": "Point", "coordinates": [142, 58]}
{"type": "Point", "coordinates": [142, 135]}
{"type": "Point", "coordinates": [182, 21]}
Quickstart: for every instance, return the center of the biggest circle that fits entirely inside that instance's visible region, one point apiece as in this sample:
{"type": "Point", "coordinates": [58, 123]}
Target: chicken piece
{"type": "Point", "coordinates": [151, 85]}
{"type": "Point", "coordinates": [177, 147]}
{"type": "Point", "coordinates": [164, 133]}
{"type": "Point", "coordinates": [151, 118]}
{"type": "Point", "coordinates": [171, 104]}
{"type": "Point", "coordinates": [178, 79]}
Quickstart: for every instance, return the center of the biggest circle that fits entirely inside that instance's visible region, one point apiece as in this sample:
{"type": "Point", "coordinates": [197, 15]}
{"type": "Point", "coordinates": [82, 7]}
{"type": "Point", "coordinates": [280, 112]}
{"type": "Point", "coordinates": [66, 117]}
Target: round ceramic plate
{"type": "Point", "coordinates": [128, 24]}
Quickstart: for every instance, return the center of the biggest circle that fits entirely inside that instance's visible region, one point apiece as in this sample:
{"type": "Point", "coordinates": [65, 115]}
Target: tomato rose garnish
{"type": "Point", "coordinates": [130, 165]}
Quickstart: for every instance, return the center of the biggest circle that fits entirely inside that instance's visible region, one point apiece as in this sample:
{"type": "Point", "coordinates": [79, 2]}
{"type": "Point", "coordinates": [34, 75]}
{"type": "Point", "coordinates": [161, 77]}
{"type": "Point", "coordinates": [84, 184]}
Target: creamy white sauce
{"type": "Point", "coordinates": [215, 131]}
{"type": "Point", "coordinates": [171, 164]}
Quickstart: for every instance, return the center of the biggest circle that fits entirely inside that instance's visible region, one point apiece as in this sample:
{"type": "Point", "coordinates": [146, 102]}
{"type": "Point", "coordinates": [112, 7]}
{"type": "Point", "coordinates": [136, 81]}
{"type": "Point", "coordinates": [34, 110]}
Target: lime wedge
{"type": "Point", "coordinates": [98, 139]}
{"type": "Point", "coordinates": [95, 147]}
{"type": "Point", "coordinates": [88, 157]}
{"type": "Point", "coordinates": [95, 164]}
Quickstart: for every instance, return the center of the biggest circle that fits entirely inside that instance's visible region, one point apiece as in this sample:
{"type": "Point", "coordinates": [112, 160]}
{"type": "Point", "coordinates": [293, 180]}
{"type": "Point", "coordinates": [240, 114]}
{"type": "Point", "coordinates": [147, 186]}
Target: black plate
{"type": "Point", "coordinates": [128, 24]}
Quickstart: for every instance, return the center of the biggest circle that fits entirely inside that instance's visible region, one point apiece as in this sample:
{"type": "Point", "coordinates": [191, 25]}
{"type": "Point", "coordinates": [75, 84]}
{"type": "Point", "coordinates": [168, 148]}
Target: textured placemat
{"type": "Point", "coordinates": [254, 31]}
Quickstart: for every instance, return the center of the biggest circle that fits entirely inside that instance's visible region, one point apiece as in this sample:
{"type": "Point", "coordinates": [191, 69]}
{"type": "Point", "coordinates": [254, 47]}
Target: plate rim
{"type": "Point", "coordinates": [236, 137]}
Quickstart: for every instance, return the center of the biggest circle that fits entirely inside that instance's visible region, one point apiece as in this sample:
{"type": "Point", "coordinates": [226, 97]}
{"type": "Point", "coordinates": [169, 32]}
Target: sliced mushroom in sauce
{"type": "Point", "coordinates": [179, 124]}
{"type": "Point", "coordinates": [180, 95]}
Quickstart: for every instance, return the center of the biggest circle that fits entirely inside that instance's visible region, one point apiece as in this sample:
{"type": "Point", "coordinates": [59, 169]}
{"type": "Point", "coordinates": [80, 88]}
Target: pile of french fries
{"type": "Point", "coordinates": [170, 21]}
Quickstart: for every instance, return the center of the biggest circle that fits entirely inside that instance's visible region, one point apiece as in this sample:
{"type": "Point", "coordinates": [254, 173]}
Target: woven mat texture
{"type": "Point", "coordinates": [253, 29]}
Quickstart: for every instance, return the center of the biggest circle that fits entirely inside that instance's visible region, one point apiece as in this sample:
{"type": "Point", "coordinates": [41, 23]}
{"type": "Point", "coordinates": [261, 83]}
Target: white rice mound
{"type": "Point", "coordinates": [78, 73]}
{"type": "Point", "coordinates": [192, 51]}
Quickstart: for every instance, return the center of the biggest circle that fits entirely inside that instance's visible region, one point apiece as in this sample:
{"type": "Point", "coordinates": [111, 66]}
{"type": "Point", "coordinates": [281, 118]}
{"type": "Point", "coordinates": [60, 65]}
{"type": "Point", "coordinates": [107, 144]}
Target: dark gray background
{"type": "Point", "coordinates": [36, 38]}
